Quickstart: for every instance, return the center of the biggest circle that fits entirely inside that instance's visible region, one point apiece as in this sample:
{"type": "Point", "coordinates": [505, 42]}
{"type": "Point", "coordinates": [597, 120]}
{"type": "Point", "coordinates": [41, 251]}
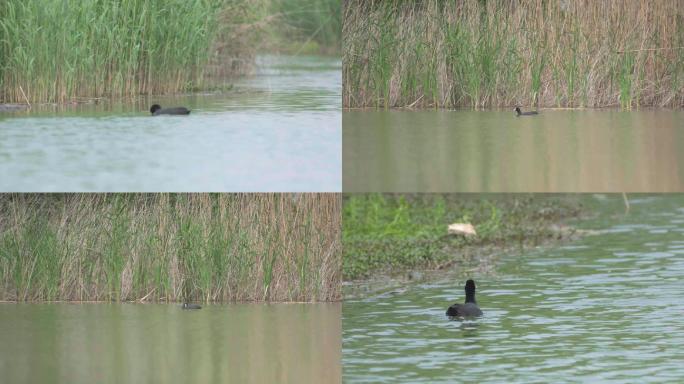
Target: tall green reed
{"type": "Point", "coordinates": [317, 23]}
{"type": "Point", "coordinates": [55, 50]}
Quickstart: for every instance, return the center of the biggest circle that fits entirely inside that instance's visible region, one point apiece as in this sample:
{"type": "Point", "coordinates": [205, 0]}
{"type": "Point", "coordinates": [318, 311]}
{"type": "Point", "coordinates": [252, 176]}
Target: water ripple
{"type": "Point", "coordinates": [611, 311]}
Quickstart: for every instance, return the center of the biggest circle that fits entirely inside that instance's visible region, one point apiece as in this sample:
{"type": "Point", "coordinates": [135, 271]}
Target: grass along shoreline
{"type": "Point", "coordinates": [482, 54]}
{"type": "Point", "coordinates": [170, 247]}
{"type": "Point", "coordinates": [392, 235]}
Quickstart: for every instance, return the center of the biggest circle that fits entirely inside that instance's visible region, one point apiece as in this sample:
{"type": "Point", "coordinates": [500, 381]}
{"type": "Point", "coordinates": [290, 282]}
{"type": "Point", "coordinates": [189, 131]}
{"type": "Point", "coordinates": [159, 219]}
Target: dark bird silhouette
{"type": "Point", "coordinates": [470, 308]}
{"type": "Point", "coordinates": [191, 306]}
{"type": "Point", "coordinates": [156, 110]}
{"type": "Point", "coordinates": [520, 113]}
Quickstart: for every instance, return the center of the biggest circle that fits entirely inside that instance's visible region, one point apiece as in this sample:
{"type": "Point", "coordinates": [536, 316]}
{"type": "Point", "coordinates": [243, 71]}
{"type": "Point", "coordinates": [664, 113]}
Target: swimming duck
{"type": "Point", "coordinates": [191, 306]}
{"type": "Point", "coordinates": [520, 113]}
{"type": "Point", "coordinates": [470, 308]}
{"type": "Point", "coordinates": [156, 109]}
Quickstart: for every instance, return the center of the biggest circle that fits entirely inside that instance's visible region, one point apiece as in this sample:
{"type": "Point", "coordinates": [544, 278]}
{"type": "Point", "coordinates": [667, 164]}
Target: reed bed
{"type": "Point", "coordinates": [170, 247]}
{"type": "Point", "coordinates": [248, 27]}
{"type": "Point", "coordinates": [59, 51]}
{"type": "Point", "coordinates": [467, 53]}
{"type": "Point", "coordinates": [53, 50]}
{"type": "Point", "coordinates": [306, 26]}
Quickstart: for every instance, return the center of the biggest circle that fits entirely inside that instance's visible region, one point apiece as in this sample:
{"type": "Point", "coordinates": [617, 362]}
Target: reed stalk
{"type": "Point", "coordinates": [468, 53]}
{"type": "Point", "coordinates": [170, 247]}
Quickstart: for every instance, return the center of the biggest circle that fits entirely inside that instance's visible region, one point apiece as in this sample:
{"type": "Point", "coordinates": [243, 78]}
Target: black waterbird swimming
{"type": "Point", "coordinates": [520, 113]}
{"type": "Point", "coordinates": [470, 308]}
{"type": "Point", "coordinates": [191, 306]}
{"type": "Point", "coordinates": [156, 110]}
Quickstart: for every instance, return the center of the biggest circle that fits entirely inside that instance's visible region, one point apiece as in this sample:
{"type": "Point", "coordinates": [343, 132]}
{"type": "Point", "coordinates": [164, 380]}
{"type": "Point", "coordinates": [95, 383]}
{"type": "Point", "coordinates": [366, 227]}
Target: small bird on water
{"type": "Point", "coordinates": [157, 110]}
{"type": "Point", "coordinates": [520, 113]}
{"type": "Point", "coordinates": [469, 308]}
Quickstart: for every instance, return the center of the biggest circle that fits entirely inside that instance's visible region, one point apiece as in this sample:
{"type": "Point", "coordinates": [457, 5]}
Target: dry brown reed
{"type": "Point", "coordinates": [436, 53]}
{"type": "Point", "coordinates": [170, 247]}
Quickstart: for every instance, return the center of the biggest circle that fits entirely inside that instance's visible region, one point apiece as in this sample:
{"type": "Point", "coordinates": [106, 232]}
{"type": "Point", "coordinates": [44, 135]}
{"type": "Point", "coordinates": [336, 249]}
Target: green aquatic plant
{"type": "Point", "coordinates": [303, 26]}
{"type": "Point", "coordinates": [61, 50]}
{"type": "Point", "coordinates": [54, 50]}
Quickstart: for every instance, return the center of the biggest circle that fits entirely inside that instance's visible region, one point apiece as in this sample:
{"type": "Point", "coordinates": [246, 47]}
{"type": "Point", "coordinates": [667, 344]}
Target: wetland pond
{"type": "Point", "coordinates": [495, 151]}
{"type": "Point", "coordinates": [161, 343]}
{"type": "Point", "coordinates": [608, 307]}
{"type": "Point", "coordinates": [279, 130]}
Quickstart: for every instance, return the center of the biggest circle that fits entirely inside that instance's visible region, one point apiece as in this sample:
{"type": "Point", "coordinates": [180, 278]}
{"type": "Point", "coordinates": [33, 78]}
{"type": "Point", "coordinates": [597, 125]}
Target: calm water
{"type": "Point", "coordinates": [608, 307]}
{"type": "Point", "coordinates": [494, 151]}
{"type": "Point", "coordinates": [276, 131]}
{"type": "Point", "coordinates": [158, 343]}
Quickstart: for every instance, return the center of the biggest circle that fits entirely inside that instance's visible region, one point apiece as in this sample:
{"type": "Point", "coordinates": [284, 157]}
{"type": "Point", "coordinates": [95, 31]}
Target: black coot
{"type": "Point", "coordinates": [520, 113]}
{"type": "Point", "coordinates": [470, 308]}
{"type": "Point", "coordinates": [191, 306]}
{"type": "Point", "coordinates": [156, 109]}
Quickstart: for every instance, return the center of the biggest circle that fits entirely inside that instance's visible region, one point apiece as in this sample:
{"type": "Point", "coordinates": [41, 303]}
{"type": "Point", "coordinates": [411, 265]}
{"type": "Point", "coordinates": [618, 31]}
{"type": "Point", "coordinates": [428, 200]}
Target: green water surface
{"type": "Point", "coordinates": [495, 151]}
{"type": "Point", "coordinates": [161, 343]}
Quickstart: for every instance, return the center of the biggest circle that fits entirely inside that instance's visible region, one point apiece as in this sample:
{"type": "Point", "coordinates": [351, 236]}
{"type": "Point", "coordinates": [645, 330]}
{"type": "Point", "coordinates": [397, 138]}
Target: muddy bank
{"type": "Point", "coordinates": [394, 241]}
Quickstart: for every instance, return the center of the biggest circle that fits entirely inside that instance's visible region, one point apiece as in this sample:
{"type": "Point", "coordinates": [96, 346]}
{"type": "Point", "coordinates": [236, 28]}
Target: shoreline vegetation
{"type": "Point", "coordinates": [57, 51]}
{"type": "Point", "coordinates": [484, 54]}
{"type": "Point", "coordinates": [403, 236]}
{"type": "Point", "coordinates": [170, 247]}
